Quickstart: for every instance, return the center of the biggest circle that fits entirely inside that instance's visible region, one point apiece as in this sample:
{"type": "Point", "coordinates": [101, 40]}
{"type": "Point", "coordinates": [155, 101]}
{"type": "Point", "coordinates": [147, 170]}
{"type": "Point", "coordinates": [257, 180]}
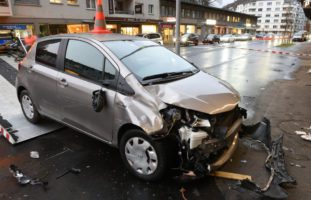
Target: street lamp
{"type": "Point", "coordinates": [177, 27]}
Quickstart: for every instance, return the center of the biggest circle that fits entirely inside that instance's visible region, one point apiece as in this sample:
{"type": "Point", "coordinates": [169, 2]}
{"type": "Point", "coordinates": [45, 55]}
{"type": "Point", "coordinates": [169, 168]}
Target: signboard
{"type": "Point", "coordinates": [13, 27]}
{"type": "Point", "coordinates": [5, 8]}
{"type": "Point", "coordinates": [139, 9]}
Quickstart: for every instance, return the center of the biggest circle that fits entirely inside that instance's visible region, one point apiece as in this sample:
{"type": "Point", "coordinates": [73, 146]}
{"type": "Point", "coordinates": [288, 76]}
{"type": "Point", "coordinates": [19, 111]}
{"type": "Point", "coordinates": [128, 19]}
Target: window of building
{"type": "Point", "coordinates": [268, 9]}
{"type": "Point", "coordinates": [278, 3]}
{"type": "Point", "coordinates": [276, 15]}
{"type": "Point", "coordinates": [88, 62]}
{"type": "Point", "coordinates": [254, 4]}
{"type": "Point", "coordinates": [276, 20]}
{"type": "Point", "coordinates": [269, 3]}
{"type": "Point", "coordinates": [266, 26]}
{"type": "Point", "coordinates": [268, 15]}
{"type": "Point", "coordinates": [277, 9]}
{"type": "Point", "coordinates": [47, 51]}
{"type": "Point", "coordinates": [259, 21]}
{"type": "Point", "coordinates": [55, 1]}
{"type": "Point", "coordinates": [283, 21]}
{"type": "Point", "coordinates": [150, 9]}
{"type": "Point", "coordinates": [182, 12]}
{"type": "Point", "coordinates": [260, 4]}
{"type": "Point", "coordinates": [267, 20]}
{"type": "Point", "coordinates": [252, 10]}
{"type": "Point", "coordinates": [259, 9]}
{"type": "Point", "coordinates": [275, 26]}
{"type": "Point", "coordinates": [283, 26]}
{"type": "Point", "coordinates": [90, 4]}
{"type": "Point", "coordinates": [72, 2]}
{"type": "Point", "coordinates": [170, 11]}
{"type": "Point", "coordinates": [27, 2]}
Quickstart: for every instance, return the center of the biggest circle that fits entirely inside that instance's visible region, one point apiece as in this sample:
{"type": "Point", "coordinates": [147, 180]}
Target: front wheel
{"type": "Point", "coordinates": [144, 158]}
{"type": "Point", "coordinates": [29, 109]}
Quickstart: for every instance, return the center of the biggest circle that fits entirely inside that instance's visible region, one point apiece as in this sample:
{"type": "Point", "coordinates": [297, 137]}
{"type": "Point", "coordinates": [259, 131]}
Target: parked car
{"type": "Point", "coordinates": [260, 35]}
{"type": "Point", "coordinates": [269, 36]}
{"type": "Point", "coordinates": [227, 38]}
{"type": "Point", "coordinates": [243, 37]}
{"type": "Point", "coordinates": [156, 37]}
{"type": "Point", "coordinates": [189, 38]}
{"type": "Point", "coordinates": [211, 39]}
{"type": "Point", "coordinates": [133, 94]}
{"type": "Point", "coordinates": [299, 37]}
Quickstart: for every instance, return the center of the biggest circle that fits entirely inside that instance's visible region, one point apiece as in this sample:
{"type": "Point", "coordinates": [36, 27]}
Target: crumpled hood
{"type": "Point", "coordinates": [201, 92]}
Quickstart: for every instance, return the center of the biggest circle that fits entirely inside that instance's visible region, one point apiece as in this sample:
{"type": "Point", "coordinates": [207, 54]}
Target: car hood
{"type": "Point", "coordinates": [200, 92]}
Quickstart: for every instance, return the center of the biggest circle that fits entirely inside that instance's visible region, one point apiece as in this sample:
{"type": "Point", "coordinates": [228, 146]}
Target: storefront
{"type": "Point", "coordinates": [149, 29]}
{"type": "Point", "coordinates": [18, 30]}
{"type": "Point", "coordinates": [78, 28]}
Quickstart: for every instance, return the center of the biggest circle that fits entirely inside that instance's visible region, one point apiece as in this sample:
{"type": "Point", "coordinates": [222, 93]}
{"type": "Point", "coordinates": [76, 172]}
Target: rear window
{"type": "Point", "coordinates": [46, 52]}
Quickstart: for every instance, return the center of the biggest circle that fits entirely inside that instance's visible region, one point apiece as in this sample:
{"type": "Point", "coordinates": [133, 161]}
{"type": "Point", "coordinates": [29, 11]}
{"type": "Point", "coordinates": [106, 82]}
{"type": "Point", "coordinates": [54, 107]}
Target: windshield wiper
{"type": "Point", "coordinates": [137, 51]}
{"type": "Point", "coordinates": [170, 74]}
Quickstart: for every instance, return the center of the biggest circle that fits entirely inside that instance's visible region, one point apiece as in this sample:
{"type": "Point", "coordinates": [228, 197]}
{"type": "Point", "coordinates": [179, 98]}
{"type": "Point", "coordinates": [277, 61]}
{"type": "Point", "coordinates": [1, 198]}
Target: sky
{"type": "Point", "coordinates": [221, 3]}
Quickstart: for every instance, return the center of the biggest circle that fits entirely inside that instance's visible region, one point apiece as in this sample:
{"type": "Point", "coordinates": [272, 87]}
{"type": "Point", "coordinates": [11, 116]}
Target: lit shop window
{"type": "Point", "coordinates": [72, 2]}
{"type": "Point", "coordinates": [55, 1]}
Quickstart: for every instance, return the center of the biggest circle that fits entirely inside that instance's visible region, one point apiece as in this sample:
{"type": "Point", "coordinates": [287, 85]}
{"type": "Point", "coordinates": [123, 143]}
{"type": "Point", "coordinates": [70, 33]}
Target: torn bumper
{"type": "Point", "coordinates": [229, 144]}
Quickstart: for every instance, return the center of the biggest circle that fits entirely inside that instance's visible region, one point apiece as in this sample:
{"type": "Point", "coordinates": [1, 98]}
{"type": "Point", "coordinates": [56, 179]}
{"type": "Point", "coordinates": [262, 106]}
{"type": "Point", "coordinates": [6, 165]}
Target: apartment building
{"type": "Point", "coordinates": [198, 17]}
{"type": "Point", "coordinates": [44, 17]}
{"type": "Point", "coordinates": [276, 16]}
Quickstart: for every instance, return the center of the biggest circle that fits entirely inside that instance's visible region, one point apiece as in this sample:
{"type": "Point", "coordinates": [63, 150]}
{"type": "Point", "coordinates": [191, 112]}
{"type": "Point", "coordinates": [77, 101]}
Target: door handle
{"type": "Point", "coordinates": [63, 82]}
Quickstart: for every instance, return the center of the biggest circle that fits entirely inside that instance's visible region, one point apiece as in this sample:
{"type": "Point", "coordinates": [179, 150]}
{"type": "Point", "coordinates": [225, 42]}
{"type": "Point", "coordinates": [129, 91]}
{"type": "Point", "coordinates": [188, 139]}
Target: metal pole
{"type": "Point", "coordinates": [177, 27]}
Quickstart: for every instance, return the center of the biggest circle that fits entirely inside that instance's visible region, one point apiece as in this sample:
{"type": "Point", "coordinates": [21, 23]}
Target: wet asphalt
{"type": "Point", "coordinates": [103, 175]}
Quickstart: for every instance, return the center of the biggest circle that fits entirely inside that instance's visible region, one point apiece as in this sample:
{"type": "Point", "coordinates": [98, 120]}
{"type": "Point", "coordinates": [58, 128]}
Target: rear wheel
{"type": "Point", "coordinates": [144, 158]}
{"type": "Point", "coordinates": [29, 109]}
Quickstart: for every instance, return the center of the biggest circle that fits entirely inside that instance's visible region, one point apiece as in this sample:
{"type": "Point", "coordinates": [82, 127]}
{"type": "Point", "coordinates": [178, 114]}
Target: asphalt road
{"type": "Point", "coordinates": [103, 175]}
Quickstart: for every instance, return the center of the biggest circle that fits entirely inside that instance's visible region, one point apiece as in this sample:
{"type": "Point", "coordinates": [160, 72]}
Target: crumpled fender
{"type": "Point", "coordinates": [141, 109]}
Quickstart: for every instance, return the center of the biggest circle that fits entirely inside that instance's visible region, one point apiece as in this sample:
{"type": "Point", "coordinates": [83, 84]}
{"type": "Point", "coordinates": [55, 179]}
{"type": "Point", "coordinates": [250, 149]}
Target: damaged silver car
{"type": "Point", "coordinates": [160, 110]}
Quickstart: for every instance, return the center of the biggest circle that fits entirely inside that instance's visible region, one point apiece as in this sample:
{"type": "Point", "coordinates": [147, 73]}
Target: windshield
{"type": "Point", "coordinates": [146, 58]}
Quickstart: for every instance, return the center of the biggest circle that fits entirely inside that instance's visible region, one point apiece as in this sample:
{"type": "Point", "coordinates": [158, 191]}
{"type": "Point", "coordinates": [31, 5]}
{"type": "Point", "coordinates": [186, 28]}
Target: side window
{"type": "Point", "coordinates": [46, 52]}
{"type": "Point", "coordinates": [110, 72]}
{"type": "Point", "coordinates": [83, 59]}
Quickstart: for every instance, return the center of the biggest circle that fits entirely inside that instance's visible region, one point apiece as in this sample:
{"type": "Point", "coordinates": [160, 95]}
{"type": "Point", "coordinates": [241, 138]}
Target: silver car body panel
{"type": "Point", "coordinates": [200, 92]}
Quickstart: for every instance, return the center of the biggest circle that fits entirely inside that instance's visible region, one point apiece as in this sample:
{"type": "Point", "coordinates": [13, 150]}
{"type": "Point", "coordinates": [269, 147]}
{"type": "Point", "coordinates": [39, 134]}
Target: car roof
{"type": "Point", "coordinates": [98, 37]}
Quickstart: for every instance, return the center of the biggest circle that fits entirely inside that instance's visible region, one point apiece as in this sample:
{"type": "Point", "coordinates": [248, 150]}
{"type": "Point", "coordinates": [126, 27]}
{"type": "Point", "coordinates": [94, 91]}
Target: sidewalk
{"type": "Point", "coordinates": [287, 103]}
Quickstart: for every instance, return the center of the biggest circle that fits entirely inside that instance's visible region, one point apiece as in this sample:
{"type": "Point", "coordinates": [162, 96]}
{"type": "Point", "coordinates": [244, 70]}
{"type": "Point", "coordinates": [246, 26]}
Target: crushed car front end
{"type": "Point", "coordinates": [204, 142]}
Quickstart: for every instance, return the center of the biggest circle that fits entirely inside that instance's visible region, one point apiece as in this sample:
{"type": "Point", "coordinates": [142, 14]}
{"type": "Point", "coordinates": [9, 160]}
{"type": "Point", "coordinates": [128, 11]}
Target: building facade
{"type": "Point", "coordinates": [274, 16]}
{"type": "Point", "coordinates": [44, 17]}
{"type": "Point", "coordinates": [198, 17]}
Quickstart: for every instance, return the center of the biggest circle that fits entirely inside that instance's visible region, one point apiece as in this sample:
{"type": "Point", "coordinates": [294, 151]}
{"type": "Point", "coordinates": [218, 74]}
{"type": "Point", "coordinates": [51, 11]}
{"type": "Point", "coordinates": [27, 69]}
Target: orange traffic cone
{"type": "Point", "coordinates": [100, 22]}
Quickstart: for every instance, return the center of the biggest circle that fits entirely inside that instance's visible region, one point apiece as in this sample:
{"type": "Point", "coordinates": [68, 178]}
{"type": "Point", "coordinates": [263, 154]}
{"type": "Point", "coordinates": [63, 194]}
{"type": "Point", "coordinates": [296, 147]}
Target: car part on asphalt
{"type": "Point", "coordinates": [72, 170]}
{"type": "Point", "coordinates": [24, 179]}
{"type": "Point", "coordinates": [275, 162]}
{"type": "Point", "coordinates": [34, 154]}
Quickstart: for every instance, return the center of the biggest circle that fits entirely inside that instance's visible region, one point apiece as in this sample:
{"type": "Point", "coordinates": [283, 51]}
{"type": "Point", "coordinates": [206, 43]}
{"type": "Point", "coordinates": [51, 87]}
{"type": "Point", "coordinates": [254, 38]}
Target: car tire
{"type": "Point", "coordinates": [143, 157]}
{"type": "Point", "coordinates": [29, 109]}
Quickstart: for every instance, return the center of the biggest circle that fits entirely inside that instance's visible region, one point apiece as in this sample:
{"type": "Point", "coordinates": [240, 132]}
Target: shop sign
{"type": "Point", "coordinates": [13, 27]}
{"type": "Point", "coordinates": [167, 25]}
{"type": "Point", "coordinates": [138, 9]}
{"type": "Point", "coordinates": [210, 22]}
{"type": "Point", "coordinates": [169, 19]}
{"type": "Point", "coordinates": [5, 8]}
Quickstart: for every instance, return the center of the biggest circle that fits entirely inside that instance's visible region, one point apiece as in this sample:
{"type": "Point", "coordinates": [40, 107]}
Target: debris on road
{"type": "Point", "coordinates": [72, 170]}
{"type": "Point", "coordinates": [243, 161]}
{"type": "Point", "coordinates": [306, 137]}
{"type": "Point", "coordinates": [297, 165]}
{"type": "Point", "coordinates": [24, 179]}
{"type": "Point", "coordinates": [275, 162]}
{"type": "Point", "coordinates": [230, 175]}
{"type": "Point", "coordinates": [34, 154]}
{"type": "Point", "coordinates": [300, 133]}
{"type": "Point", "coordinates": [182, 191]}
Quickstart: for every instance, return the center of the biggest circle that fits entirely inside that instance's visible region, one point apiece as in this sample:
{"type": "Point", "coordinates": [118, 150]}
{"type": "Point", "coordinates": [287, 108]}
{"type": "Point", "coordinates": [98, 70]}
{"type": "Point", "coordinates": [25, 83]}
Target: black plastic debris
{"type": "Point", "coordinates": [24, 179]}
{"type": "Point", "coordinates": [275, 162]}
{"type": "Point", "coordinates": [72, 170]}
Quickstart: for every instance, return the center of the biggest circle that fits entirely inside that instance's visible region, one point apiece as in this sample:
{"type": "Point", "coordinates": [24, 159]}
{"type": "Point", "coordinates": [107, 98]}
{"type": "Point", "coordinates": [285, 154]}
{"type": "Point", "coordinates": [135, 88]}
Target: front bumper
{"type": "Point", "coordinates": [226, 146]}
